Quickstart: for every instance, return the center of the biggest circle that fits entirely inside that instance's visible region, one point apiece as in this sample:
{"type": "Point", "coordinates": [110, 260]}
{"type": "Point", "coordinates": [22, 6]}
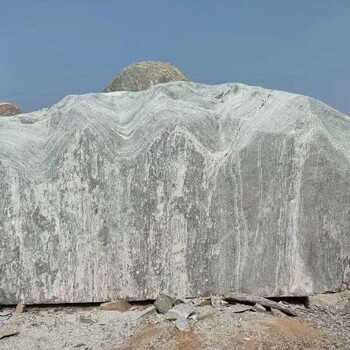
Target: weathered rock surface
{"type": "Point", "coordinates": [143, 75]}
{"type": "Point", "coordinates": [163, 303]}
{"type": "Point", "coordinates": [187, 188]}
{"type": "Point", "coordinates": [8, 109]}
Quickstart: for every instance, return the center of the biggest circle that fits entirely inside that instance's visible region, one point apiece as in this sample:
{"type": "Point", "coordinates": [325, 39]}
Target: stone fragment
{"type": "Point", "coordinates": [194, 301]}
{"type": "Point", "coordinates": [198, 301]}
{"type": "Point", "coordinates": [179, 311]}
{"type": "Point", "coordinates": [181, 301]}
{"type": "Point", "coordinates": [205, 302]}
{"type": "Point", "coordinates": [217, 301]}
{"type": "Point", "coordinates": [118, 305]}
{"type": "Point", "coordinates": [8, 332]}
{"type": "Point", "coordinates": [278, 313]}
{"type": "Point", "coordinates": [193, 318]}
{"type": "Point", "coordinates": [20, 308]}
{"type": "Point", "coordinates": [259, 308]}
{"type": "Point", "coordinates": [148, 311]}
{"type": "Point", "coordinates": [164, 303]}
{"type": "Point", "coordinates": [254, 299]}
{"type": "Point", "coordinates": [182, 324]}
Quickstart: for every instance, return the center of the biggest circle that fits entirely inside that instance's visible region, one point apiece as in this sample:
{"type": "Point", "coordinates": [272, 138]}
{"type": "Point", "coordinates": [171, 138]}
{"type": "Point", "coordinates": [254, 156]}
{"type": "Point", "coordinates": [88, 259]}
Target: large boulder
{"type": "Point", "coordinates": [185, 188]}
{"type": "Point", "coordinates": [8, 109]}
{"type": "Point", "coordinates": [143, 75]}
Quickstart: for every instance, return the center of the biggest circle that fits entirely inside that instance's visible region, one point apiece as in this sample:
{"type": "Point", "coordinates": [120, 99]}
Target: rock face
{"type": "Point", "coordinates": [8, 109]}
{"type": "Point", "coordinates": [143, 75]}
{"type": "Point", "coordinates": [185, 188]}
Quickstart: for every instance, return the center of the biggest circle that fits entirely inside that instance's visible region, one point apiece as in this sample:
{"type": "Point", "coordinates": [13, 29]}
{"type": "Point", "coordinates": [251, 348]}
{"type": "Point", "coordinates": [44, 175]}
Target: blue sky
{"type": "Point", "coordinates": [52, 48]}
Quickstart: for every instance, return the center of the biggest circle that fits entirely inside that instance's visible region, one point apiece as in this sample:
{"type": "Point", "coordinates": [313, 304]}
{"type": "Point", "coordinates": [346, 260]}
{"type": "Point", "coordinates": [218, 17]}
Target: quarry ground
{"type": "Point", "coordinates": [325, 324]}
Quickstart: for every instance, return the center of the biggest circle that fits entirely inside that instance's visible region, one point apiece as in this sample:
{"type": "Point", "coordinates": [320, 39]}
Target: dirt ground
{"type": "Point", "coordinates": [325, 324]}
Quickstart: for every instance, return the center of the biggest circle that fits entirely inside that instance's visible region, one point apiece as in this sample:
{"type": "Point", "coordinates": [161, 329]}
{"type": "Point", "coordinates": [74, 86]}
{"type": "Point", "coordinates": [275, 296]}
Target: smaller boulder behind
{"type": "Point", "coordinates": [8, 109]}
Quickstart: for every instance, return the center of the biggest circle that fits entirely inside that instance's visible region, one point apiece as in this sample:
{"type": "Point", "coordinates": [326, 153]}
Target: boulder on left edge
{"type": "Point", "coordinates": [8, 109]}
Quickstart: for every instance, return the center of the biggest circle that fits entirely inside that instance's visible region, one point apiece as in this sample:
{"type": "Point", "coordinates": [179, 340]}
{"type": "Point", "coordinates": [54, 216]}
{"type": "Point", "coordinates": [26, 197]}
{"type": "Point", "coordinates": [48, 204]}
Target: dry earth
{"type": "Point", "coordinates": [324, 325]}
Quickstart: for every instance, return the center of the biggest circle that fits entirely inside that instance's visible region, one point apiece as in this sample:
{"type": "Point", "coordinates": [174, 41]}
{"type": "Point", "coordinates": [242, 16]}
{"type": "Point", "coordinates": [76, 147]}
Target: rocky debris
{"type": "Point", "coordinates": [156, 184]}
{"type": "Point", "coordinates": [253, 300]}
{"type": "Point", "coordinates": [259, 308]}
{"type": "Point", "coordinates": [8, 109]}
{"type": "Point", "coordinates": [182, 324]}
{"type": "Point", "coordinates": [217, 301]}
{"type": "Point", "coordinates": [179, 311]}
{"type": "Point", "coordinates": [180, 314]}
{"type": "Point", "coordinates": [8, 332]}
{"type": "Point", "coordinates": [20, 308]}
{"type": "Point", "coordinates": [164, 303]}
{"type": "Point", "coordinates": [117, 305]}
{"type": "Point", "coordinates": [326, 311]}
{"type": "Point", "coordinates": [200, 301]}
{"type": "Point", "coordinates": [143, 75]}
{"type": "Point", "coordinates": [206, 329]}
{"type": "Point", "coordinates": [334, 303]}
{"type": "Point", "coordinates": [278, 313]}
{"type": "Point", "coordinates": [223, 329]}
{"type": "Point", "coordinates": [147, 311]}
{"type": "Point", "coordinates": [187, 311]}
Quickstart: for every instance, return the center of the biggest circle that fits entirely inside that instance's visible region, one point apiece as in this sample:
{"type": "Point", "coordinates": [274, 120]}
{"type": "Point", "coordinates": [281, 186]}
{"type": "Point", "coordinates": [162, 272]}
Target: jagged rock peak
{"type": "Point", "coordinates": [143, 75]}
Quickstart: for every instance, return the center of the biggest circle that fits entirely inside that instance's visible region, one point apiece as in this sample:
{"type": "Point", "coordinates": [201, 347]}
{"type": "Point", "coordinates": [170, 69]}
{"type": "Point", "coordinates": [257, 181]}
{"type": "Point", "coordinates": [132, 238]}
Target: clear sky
{"type": "Point", "coordinates": [52, 48]}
